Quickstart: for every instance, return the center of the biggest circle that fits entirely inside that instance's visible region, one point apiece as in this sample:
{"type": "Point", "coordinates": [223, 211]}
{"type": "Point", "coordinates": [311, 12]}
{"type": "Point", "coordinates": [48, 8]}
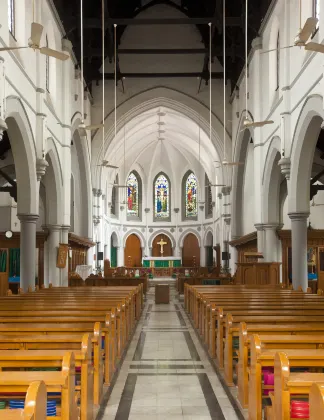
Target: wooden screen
{"type": "Point", "coordinates": [167, 248]}
{"type": "Point", "coordinates": [190, 251]}
{"type": "Point", "coordinates": [133, 252]}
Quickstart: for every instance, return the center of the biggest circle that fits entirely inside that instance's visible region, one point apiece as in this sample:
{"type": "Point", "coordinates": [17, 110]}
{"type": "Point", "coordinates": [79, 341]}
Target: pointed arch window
{"type": "Point", "coordinates": [278, 62]}
{"type": "Point", "coordinates": [114, 199]}
{"type": "Point", "coordinates": [134, 196]}
{"type": "Point", "coordinates": [11, 16]}
{"type": "Point", "coordinates": [190, 196]}
{"type": "Point", "coordinates": [162, 198]}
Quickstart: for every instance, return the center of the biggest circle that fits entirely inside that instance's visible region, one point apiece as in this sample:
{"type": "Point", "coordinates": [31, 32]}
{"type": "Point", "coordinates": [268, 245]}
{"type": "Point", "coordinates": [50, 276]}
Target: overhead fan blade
{"type": "Point", "coordinates": [308, 29]}
{"type": "Point", "coordinates": [13, 48]}
{"type": "Point", "coordinates": [112, 166]}
{"type": "Point", "coordinates": [94, 127]}
{"type": "Point", "coordinates": [214, 185]}
{"type": "Point", "coordinates": [226, 163]}
{"type": "Point", "coordinates": [247, 123]}
{"type": "Point", "coordinates": [277, 49]}
{"type": "Point", "coordinates": [36, 33]}
{"type": "Point", "coordinates": [314, 46]}
{"type": "Point", "coordinates": [53, 53]}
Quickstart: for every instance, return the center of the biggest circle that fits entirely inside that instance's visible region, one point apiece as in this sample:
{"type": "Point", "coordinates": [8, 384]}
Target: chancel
{"type": "Point", "coordinates": [161, 205]}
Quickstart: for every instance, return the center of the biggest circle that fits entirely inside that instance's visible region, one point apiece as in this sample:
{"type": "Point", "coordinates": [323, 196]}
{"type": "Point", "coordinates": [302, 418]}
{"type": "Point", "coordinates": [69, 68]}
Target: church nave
{"type": "Point", "coordinates": [166, 373]}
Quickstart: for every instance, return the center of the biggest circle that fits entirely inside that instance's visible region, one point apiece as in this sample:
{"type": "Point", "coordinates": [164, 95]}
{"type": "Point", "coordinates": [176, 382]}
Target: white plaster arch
{"type": "Point", "coordinates": [24, 155]}
{"type": "Point", "coordinates": [114, 234]}
{"type": "Point", "coordinates": [185, 233]}
{"type": "Point", "coordinates": [81, 145]}
{"type": "Point", "coordinates": [208, 232]}
{"type": "Point", "coordinates": [271, 180]}
{"type": "Point", "coordinates": [54, 188]}
{"type": "Point", "coordinates": [239, 155]}
{"type": "Point", "coordinates": [306, 133]}
{"type": "Point", "coordinates": [161, 232]}
{"type": "Point", "coordinates": [138, 233]}
{"type": "Point", "coordinates": [150, 99]}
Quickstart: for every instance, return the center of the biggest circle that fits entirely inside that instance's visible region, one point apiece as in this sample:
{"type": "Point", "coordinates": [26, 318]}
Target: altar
{"type": "Point", "coordinates": [162, 262]}
{"type": "Point", "coordinates": [162, 266]}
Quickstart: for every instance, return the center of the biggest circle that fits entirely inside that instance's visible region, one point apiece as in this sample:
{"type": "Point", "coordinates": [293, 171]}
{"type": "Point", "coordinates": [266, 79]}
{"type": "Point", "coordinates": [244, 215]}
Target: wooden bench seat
{"type": "Point", "coordinates": [316, 401]}
{"type": "Point", "coordinates": [62, 382]}
{"type": "Point", "coordinates": [35, 404]}
{"type": "Point", "coordinates": [262, 342]}
{"type": "Point", "coordinates": [265, 358]}
{"type": "Point", "coordinates": [287, 384]}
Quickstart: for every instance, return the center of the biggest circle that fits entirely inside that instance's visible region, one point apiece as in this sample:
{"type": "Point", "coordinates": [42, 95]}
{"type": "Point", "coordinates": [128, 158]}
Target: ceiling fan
{"type": "Point", "coordinates": [105, 164]}
{"type": "Point", "coordinates": [34, 43]}
{"type": "Point", "coordinates": [304, 34]}
{"type": "Point", "coordinates": [82, 127]}
{"type": "Point", "coordinates": [214, 185]}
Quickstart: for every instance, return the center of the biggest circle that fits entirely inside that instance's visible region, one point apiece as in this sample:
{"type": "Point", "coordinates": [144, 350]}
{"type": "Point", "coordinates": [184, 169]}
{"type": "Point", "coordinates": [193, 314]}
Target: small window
{"type": "Point", "coordinates": [47, 67]}
{"type": "Point", "coordinates": [278, 62]}
{"type": "Point", "coordinates": [316, 10]}
{"type": "Point", "coordinates": [11, 16]}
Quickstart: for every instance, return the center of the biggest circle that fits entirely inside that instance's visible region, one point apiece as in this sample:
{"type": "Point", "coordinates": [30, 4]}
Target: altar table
{"type": "Point", "coordinates": [161, 262]}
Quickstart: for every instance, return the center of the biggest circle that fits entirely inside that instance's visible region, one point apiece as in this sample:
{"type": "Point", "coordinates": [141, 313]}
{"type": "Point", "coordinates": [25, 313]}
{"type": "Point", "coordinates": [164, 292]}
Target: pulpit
{"type": "Point", "coordinates": [258, 273]}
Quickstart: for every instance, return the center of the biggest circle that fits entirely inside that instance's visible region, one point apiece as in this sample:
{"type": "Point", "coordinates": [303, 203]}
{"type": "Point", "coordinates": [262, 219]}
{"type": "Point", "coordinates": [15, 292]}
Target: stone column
{"type": "Point", "coordinates": [27, 250]}
{"type": "Point", "coordinates": [233, 260]}
{"type": "Point", "coordinates": [270, 242]}
{"type": "Point", "coordinates": [65, 271]}
{"type": "Point", "coordinates": [299, 249]}
{"type": "Point", "coordinates": [53, 240]}
{"type": "Point", "coordinates": [120, 256]}
{"type": "Point", "coordinates": [260, 233]}
{"type": "Point", "coordinates": [202, 255]}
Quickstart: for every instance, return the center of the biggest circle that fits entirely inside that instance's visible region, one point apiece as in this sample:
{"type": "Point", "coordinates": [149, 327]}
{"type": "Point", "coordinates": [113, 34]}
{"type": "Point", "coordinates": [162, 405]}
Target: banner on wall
{"type": "Point", "coordinates": [62, 255]}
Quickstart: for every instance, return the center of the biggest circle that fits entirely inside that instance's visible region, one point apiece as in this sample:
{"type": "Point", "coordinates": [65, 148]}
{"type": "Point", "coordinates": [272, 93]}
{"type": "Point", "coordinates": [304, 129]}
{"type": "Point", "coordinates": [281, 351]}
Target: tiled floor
{"type": "Point", "coordinates": [166, 373]}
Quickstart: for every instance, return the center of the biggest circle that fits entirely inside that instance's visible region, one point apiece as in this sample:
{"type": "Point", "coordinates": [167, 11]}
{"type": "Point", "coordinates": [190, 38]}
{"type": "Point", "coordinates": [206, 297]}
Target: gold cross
{"type": "Point", "coordinates": [162, 243]}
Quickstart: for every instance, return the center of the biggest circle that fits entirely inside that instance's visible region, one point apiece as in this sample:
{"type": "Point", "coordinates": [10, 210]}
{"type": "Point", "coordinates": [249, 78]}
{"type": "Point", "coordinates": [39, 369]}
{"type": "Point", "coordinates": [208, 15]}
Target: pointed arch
{"type": "Point", "coordinates": [161, 232]}
{"type": "Point", "coordinates": [137, 233]}
{"type": "Point", "coordinates": [134, 196]}
{"type": "Point", "coordinates": [161, 198]}
{"type": "Point", "coordinates": [185, 233]}
{"type": "Point", "coordinates": [189, 195]}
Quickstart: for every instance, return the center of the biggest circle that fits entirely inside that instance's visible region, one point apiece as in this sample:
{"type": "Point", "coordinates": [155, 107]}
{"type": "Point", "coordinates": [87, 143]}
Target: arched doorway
{"type": "Point", "coordinates": [133, 251]}
{"type": "Point", "coordinates": [156, 246]}
{"type": "Point", "coordinates": [113, 250]}
{"type": "Point", "coordinates": [209, 250]}
{"type": "Point", "coordinates": [190, 251]}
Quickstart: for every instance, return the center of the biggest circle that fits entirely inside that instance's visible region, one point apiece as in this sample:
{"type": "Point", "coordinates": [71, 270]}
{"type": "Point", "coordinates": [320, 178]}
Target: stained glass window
{"type": "Point", "coordinates": [162, 197]}
{"type": "Point", "coordinates": [132, 195]}
{"type": "Point", "coordinates": [208, 198]}
{"type": "Point", "coordinates": [11, 16]}
{"type": "Point", "coordinates": [191, 196]}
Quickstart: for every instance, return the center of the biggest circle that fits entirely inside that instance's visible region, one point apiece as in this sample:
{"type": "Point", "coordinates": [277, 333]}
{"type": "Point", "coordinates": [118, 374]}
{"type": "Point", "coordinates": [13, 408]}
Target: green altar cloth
{"type": "Point", "coordinates": [159, 263]}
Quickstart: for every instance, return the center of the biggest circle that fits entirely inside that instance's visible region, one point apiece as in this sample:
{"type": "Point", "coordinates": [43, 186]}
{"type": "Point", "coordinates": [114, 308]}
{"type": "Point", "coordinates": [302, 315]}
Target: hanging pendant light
{"type": "Point", "coordinates": [248, 123]}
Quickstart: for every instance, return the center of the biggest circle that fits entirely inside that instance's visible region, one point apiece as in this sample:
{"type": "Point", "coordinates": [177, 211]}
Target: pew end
{"type": "Point", "coordinates": [36, 401]}
{"type": "Point", "coordinates": [316, 401]}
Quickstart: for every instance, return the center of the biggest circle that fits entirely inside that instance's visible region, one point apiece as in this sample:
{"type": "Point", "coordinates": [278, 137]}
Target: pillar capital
{"type": "Point", "coordinates": [41, 165]}
{"type": "Point", "coordinates": [259, 227]}
{"type": "Point", "coordinates": [66, 228]}
{"type": "Point", "coordinates": [54, 228]}
{"type": "Point", "coordinates": [28, 217]}
{"type": "Point", "coordinates": [257, 43]}
{"type": "Point", "coordinates": [303, 215]}
{"type": "Point", "coordinates": [272, 226]}
{"type": "Point", "coordinates": [226, 190]}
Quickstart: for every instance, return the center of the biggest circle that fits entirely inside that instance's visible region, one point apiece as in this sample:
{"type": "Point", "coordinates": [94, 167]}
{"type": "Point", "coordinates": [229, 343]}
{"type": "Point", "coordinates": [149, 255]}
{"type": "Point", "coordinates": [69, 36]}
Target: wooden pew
{"type": "Point", "coordinates": [316, 401]}
{"type": "Point", "coordinates": [265, 358]}
{"type": "Point", "coordinates": [287, 384]}
{"type": "Point", "coordinates": [62, 382]}
{"type": "Point", "coordinates": [260, 340]}
{"type": "Point", "coordinates": [35, 404]}
{"type": "Point", "coordinates": [53, 358]}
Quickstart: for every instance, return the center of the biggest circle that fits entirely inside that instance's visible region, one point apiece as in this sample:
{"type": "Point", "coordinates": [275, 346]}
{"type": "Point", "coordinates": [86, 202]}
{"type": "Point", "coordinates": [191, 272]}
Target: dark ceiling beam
{"type": "Point", "coordinates": [111, 76]}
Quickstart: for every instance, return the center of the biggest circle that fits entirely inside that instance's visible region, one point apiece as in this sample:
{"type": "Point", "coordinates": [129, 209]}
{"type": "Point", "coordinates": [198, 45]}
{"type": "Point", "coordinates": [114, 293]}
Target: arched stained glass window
{"type": "Point", "coordinates": [132, 195]}
{"type": "Point", "coordinates": [191, 196]}
{"type": "Point", "coordinates": [161, 197]}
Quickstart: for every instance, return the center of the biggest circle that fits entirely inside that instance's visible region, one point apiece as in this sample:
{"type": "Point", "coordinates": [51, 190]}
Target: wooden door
{"type": "Point", "coordinates": [167, 248]}
{"type": "Point", "coordinates": [190, 251]}
{"type": "Point", "coordinates": [320, 282]}
{"type": "Point", "coordinates": [133, 251]}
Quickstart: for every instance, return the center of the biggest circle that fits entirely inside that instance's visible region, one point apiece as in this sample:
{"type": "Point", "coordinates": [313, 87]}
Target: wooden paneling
{"type": "Point", "coordinates": [133, 251]}
{"type": "Point", "coordinates": [156, 248]}
{"type": "Point", "coordinates": [190, 251]}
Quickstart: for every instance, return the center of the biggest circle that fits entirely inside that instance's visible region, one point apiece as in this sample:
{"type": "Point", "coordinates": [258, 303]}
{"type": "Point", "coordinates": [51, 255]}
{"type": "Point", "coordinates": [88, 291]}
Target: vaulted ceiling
{"type": "Point", "coordinates": [196, 12]}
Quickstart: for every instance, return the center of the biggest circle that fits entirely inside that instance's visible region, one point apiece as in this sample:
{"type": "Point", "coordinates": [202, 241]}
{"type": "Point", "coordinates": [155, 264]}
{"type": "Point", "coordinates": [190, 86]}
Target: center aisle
{"type": "Point", "coordinates": [166, 373]}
